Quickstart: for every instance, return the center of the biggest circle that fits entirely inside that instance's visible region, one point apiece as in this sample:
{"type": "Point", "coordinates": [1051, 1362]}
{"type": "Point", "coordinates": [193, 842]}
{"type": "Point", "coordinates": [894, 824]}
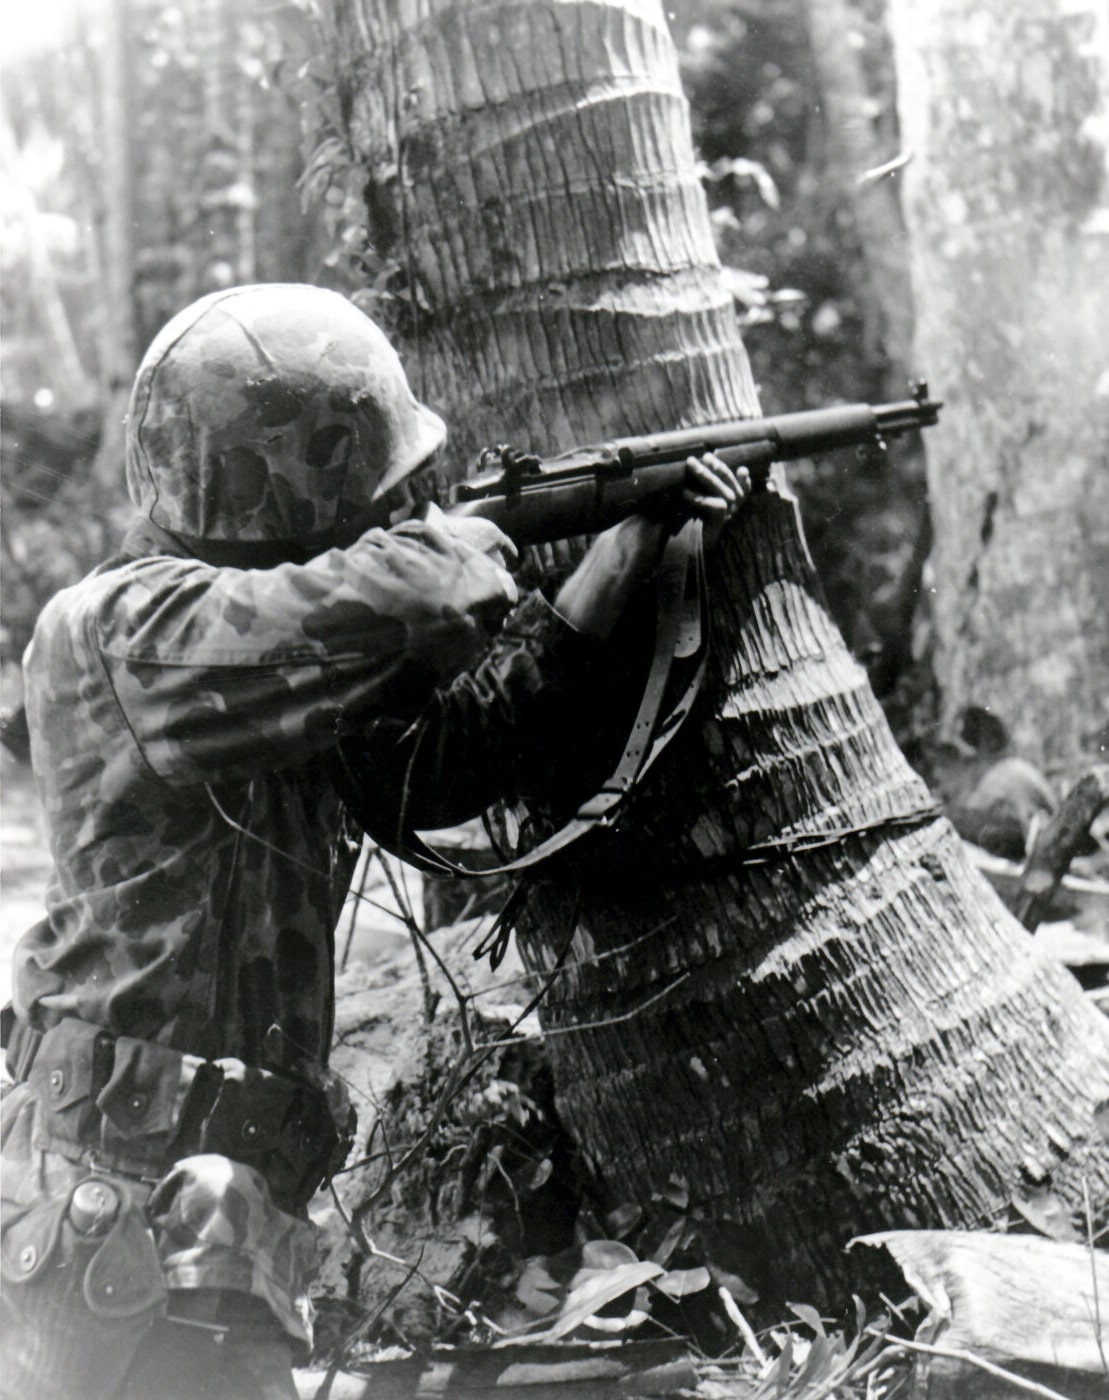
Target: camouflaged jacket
{"type": "Point", "coordinates": [179, 714]}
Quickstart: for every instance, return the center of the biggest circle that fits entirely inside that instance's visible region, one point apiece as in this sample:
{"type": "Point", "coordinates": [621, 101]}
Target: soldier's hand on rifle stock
{"type": "Point", "coordinates": [593, 598]}
{"type": "Point", "coordinates": [714, 492]}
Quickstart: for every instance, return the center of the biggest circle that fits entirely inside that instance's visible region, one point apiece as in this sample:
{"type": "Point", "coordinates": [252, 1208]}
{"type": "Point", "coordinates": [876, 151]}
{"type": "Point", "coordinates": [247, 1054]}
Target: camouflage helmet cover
{"type": "Point", "coordinates": [273, 413]}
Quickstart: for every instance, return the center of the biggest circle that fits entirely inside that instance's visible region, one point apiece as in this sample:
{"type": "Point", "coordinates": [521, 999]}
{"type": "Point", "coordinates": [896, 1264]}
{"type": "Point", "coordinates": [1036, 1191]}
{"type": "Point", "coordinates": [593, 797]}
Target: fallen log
{"type": "Point", "coordinates": [563, 1371]}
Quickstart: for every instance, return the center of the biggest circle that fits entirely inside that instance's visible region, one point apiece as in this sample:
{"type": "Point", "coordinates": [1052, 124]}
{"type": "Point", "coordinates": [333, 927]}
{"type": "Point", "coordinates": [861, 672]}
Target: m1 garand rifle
{"type": "Point", "coordinates": [583, 491]}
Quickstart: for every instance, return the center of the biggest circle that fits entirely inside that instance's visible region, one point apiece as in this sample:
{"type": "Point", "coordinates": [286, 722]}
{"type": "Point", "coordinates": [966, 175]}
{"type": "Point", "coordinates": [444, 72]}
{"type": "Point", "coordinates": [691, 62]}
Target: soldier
{"type": "Point", "coordinates": [172, 1113]}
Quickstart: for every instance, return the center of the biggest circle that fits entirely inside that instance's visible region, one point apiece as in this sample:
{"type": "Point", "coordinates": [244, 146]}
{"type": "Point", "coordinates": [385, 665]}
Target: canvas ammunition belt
{"type": "Point", "coordinates": [136, 1107]}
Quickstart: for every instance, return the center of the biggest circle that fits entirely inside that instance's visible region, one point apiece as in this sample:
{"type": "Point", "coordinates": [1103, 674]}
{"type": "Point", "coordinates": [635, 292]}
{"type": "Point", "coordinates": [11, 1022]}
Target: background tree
{"type": "Point", "coordinates": [151, 158]}
{"type": "Point", "coordinates": [779, 979]}
{"type": "Point", "coordinates": [1007, 201]}
{"type": "Point", "coordinates": [794, 113]}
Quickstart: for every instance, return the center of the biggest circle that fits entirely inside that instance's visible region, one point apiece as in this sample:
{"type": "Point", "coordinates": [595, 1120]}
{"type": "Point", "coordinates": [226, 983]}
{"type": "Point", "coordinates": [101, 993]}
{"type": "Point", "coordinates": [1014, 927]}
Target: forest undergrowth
{"type": "Point", "coordinates": [467, 1220]}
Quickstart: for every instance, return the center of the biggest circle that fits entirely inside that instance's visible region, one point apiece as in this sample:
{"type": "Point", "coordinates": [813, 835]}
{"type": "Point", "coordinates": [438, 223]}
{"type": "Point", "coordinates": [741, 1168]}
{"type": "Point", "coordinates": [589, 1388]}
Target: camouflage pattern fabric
{"type": "Point", "coordinates": [217, 1227]}
{"type": "Point", "coordinates": [178, 714]}
{"type": "Point", "coordinates": [85, 1317]}
{"type": "Point", "coordinates": [272, 412]}
{"type": "Point", "coordinates": [201, 860]}
{"type": "Point", "coordinates": [73, 1310]}
{"type": "Point", "coordinates": [175, 711]}
{"type": "Point", "coordinates": [181, 714]}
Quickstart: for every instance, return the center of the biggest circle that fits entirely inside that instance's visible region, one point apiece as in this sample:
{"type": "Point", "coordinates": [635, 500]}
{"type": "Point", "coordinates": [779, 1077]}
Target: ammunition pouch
{"type": "Point", "coordinates": [82, 1286]}
{"type": "Point", "coordinates": [132, 1106]}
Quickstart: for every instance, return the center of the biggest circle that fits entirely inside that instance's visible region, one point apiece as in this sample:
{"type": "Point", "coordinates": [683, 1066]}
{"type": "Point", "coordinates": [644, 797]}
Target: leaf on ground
{"type": "Point", "coordinates": [680, 1283]}
{"type": "Point", "coordinates": [589, 1298]}
{"type": "Point", "coordinates": [623, 1220]}
{"type": "Point", "coordinates": [617, 1326]}
{"type": "Point", "coordinates": [809, 1316]}
{"type": "Point", "coordinates": [670, 1241]}
{"type": "Point", "coordinates": [606, 1254]}
{"type": "Point", "coordinates": [1046, 1213]}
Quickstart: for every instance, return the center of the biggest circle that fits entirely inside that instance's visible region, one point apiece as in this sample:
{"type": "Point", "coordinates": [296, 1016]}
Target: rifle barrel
{"type": "Point", "coordinates": [587, 488]}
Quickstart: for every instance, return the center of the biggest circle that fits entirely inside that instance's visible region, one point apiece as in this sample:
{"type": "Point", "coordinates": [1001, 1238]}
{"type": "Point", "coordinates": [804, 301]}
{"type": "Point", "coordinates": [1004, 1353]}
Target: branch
{"type": "Point", "coordinates": [550, 1031]}
{"type": "Point", "coordinates": [1057, 843]}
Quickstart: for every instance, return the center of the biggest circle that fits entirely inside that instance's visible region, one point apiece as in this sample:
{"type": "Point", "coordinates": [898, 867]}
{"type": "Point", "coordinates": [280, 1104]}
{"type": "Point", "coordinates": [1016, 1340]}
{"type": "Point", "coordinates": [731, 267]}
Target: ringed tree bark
{"type": "Point", "coordinates": [1005, 106]}
{"type": "Point", "coordinates": [778, 980]}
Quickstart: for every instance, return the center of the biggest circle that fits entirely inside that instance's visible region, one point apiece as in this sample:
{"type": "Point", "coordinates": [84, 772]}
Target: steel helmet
{"type": "Point", "coordinates": [273, 417]}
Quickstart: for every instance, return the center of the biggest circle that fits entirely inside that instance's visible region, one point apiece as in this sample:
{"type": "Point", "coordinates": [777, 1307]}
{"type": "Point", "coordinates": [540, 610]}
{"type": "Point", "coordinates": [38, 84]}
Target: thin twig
{"type": "Point", "coordinates": [897, 1310]}
{"type": "Point", "coordinates": [315, 870]}
{"type": "Point", "coordinates": [459, 995]}
{"type": "Point", "coordinates": [367, 860]}
{"type": "Point", "coordinates": [969, 1359]}
{"type": "Point", "coordinates": [594, 961]}
{"type": "Point", "coordinates": [619, 1020]}
{"type": "Point", "coordinates": [422, 942]}
{"type": "Point", "coordinates": [457, 1078]}
{"type": "Point", "coordinates": [364, 1242]}
{"type": "Point", "coordinates": [1093, 1275]}
{"type": "Point", "coordinates": [431, 1001]}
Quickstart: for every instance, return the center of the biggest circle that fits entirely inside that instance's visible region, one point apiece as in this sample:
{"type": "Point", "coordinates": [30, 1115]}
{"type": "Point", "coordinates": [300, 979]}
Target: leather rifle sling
{"type": "Point", "coordinates": [680, 633]}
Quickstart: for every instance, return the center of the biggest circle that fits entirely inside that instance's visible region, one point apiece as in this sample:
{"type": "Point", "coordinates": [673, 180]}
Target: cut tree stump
{"type": "Point", "coordinates": [1030, 1306]}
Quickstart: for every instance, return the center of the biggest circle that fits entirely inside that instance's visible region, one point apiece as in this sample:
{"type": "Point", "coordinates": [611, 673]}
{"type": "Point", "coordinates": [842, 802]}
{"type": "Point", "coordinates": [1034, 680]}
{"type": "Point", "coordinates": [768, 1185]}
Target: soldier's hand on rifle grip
{"type": "Point", "coordinates": [714, 492]}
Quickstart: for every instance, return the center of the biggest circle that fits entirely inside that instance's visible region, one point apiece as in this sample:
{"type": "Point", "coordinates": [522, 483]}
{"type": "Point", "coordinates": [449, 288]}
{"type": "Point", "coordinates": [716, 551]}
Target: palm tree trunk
{"type": "Point", "coordinates": [784, 983]}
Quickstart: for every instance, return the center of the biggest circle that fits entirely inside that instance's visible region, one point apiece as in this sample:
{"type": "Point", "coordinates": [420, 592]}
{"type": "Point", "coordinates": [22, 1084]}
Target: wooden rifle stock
{"type": "Point", "coordinates": [585, 490]}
